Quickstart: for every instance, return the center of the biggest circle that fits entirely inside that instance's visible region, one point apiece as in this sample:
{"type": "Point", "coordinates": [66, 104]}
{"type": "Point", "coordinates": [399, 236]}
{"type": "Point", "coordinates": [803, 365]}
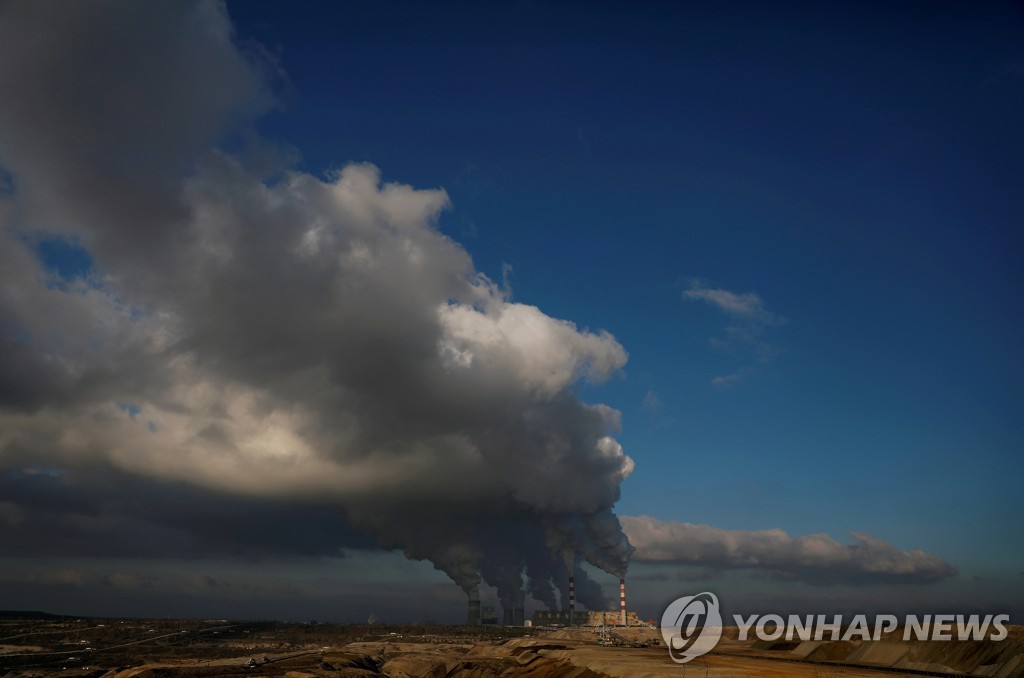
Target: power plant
{"type": "Point", "coordinates": [477, 615]}
{"type": "Point", "coordinates": [585, 618]}
{"type": "Point", "coordinates": [515, 614]}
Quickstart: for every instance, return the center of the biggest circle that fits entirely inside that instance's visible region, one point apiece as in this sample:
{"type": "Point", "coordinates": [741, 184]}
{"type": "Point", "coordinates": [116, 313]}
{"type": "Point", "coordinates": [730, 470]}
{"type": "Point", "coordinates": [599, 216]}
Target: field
{"type": "Point", "coordinates": [78, 648]}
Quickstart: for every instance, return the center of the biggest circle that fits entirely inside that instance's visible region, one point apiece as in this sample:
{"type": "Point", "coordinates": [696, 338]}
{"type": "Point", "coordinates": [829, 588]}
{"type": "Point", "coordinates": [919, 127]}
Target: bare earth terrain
{"type": "Point", "coordinates": [77, 648]}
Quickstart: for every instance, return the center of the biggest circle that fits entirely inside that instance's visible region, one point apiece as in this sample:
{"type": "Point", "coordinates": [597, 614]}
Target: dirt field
{"type": "Point", "coordinates": [218, 648]}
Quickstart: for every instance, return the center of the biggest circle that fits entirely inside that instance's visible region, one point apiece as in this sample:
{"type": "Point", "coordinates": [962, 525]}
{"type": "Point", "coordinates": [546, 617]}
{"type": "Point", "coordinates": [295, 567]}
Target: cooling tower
{"type": "Point", "coordinates": [473, 614]}
{"type": "Point", "coordinates": [519, 611]}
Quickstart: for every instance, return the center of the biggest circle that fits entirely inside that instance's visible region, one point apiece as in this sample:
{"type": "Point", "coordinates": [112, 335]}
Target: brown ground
{"type": "Point", "coordinates": [176, 649]}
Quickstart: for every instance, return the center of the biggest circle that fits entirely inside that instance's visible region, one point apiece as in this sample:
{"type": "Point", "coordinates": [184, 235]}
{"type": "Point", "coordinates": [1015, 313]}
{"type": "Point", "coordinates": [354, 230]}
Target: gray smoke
{"type": "Point", "coordinates": [541, 586]}
{"type": "Point", "coordinates": [589, 593]}
{"type": "Point", "coordinates": [598, 537]}
{"type": "Point", "coordinates": [259, 333]}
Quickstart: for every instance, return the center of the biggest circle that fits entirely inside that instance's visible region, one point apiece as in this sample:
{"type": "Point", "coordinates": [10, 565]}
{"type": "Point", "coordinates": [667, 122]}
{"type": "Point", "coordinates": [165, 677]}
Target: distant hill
{"type": "Point", "coordinates": [21, 614]}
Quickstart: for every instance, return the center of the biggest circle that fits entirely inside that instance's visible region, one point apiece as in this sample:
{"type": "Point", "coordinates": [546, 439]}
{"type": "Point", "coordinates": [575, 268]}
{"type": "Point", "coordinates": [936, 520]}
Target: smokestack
{"type": "Point", "coordinates": [572, 600]}
{"type": "Point", "coordinates": [519, 611]}
{"type": "Point", "coordinates": [622, 601]}
{"type": "Point", "coordinates": [473, 615]}
{"type": "Point", "coordinates": [508, 616]}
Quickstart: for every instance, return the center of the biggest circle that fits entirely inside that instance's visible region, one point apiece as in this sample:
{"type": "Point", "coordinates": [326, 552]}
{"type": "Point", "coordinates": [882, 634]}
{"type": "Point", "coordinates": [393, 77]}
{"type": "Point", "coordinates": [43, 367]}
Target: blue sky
{"type": "Point", "coordinates": [802, 222]}
{"type": "Point", "coordinates": [856, 167]}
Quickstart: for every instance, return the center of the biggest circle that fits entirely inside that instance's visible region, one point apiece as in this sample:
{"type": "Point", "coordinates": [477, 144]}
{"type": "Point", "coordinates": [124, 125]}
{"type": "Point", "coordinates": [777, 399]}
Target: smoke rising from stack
{"type": "Point", "coordinates": [259, 332]}
{"type": "Point", "coordinates": [589, 592]}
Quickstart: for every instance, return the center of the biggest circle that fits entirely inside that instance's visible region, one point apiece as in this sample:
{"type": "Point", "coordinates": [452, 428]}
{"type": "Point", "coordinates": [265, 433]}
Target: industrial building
{"type": "Point", "coordinates": [584, 618]}
{"type": "Point", "coordinates": [477, 615]}
{"type": "Point", "coordinates": [572, 617]}
{"type": "Point", "coordinates": [515, 614]}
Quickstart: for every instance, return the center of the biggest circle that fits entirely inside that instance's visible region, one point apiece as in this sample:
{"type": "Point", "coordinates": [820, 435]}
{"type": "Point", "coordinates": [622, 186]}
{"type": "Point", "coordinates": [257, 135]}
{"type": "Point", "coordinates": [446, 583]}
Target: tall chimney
{"type": "Point", "coordinates": [622, 601]}
{"type": "Point", "coordinates": [508, 616]}
{"type": "Point", "coordinates": [519, 611]}
{"type": "Point", "coordinates": [473, 614]}
{"type": "Point", "coordinates": [572, 600]}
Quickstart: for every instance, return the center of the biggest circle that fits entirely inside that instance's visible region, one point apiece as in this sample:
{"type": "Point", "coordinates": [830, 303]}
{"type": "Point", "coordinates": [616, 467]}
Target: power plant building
{"type": "Point", "coordinates": [585, 618]}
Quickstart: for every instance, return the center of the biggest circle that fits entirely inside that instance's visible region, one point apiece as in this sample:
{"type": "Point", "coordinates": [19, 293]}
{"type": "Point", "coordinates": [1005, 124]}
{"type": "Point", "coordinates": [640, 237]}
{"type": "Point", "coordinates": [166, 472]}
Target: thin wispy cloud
{"type": "Point", "coordinates": [657, 415]}
{"type": "Point", "coordinates": [747, 306]}
{"type": "Point", "coordinates": [743, 336]}
{"type": "Point", "coordinates": [725, 381]}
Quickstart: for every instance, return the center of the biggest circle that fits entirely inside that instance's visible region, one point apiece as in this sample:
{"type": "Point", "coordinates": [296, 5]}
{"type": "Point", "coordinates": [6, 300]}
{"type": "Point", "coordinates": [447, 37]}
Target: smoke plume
{"type": "Point", "coordinates": [267, 336]}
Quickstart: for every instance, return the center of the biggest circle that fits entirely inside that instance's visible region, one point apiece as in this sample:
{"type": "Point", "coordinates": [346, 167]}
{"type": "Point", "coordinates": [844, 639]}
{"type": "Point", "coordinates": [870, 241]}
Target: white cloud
{"type": "Point", "coordinates": [815, 558]}
{"type": "Point", "coordinates": [518, 343]}
{"type": "Point", "coordinates": [743, 336]}
{"type": "Point", "coordinates": [652, 403]}
{"type": "Point", "coordinates": [729, 380]}
{"type": "Point", "coordinates": [747, 306]}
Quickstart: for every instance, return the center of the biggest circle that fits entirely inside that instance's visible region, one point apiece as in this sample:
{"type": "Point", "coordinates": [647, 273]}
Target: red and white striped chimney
{"type": "Point", "coordinates": [572, 600]}
{"type": "Point", "coordinates": [622, 601]}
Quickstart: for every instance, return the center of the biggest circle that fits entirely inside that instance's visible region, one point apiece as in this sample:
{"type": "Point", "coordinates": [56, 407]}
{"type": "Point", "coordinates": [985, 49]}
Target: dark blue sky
{"type": "Point", "coordinates": [857, 167]}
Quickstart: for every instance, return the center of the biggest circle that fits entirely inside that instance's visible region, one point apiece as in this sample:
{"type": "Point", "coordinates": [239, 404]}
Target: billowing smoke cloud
{"type": "Point", "coordinates": [814, 558]}
{"type": "Point", "coordinates": [265, 337]}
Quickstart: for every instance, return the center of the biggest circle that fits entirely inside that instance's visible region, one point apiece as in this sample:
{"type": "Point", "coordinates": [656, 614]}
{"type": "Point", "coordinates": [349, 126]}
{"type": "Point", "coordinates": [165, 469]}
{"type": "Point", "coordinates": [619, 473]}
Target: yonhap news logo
{"type": "Point", "coordinates": [691, 626]}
